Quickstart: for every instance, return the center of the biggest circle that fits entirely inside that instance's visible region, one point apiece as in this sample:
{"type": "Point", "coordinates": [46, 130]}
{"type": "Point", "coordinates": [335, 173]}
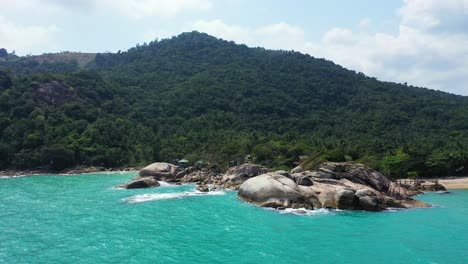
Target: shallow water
{"type": "Point", "coordinates": [84, 219]}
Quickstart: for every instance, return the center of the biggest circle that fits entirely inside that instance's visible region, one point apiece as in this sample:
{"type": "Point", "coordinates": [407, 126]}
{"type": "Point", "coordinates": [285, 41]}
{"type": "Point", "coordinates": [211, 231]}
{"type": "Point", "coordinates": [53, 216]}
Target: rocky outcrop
{"type": "Point", "coordinates": [201, 177]}
{"type": "Point", "coordinates": [161, 171]}
{"type": "Point", "coordinates": [421, 186]}
{"type": "Point", "coordinates": [436, 187]}
{"type": "Point", "coordinates": [149, 176]}
{"type": "Point", "coordinates": [235, 176]}
{"type": "Point", "coordinates": [347, 186]}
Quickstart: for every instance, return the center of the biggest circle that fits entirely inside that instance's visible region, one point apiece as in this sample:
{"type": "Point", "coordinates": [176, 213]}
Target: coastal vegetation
{"type": "Point", "coordinates": [201, 98]}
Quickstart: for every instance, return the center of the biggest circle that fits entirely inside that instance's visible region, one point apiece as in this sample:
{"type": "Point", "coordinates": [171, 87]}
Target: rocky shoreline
{"type": "Point", "coordinates": [347, 186]}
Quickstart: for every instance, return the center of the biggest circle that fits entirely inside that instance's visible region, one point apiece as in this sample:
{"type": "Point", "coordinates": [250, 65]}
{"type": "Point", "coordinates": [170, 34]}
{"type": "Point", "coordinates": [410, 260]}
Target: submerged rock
{"type": "Point", "coordinates": [146, 182]}
{"type": "Point", "coordinates": [203, 188]}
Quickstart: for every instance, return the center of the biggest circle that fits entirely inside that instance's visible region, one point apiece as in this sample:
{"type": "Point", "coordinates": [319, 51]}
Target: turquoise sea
{"type": "Point", "coordinates": [84, 219]}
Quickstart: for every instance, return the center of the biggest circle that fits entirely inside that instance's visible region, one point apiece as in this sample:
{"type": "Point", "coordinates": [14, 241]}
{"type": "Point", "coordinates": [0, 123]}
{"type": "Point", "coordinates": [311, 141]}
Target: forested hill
{"type": "Point", "coordinates": [198, 97]}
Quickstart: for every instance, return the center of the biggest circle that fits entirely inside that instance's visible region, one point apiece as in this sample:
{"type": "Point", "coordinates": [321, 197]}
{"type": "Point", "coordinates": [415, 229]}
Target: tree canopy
{"type": "Point", "coordinates": [201, 97]}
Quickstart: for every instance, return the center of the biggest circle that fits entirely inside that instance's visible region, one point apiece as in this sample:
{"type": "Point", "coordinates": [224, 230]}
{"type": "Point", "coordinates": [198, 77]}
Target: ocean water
{"type": "Point", "coordinates": [84, 219]}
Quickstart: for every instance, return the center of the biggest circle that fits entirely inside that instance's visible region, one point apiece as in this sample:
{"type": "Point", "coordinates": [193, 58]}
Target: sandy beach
{"type": "Point", "coordinates": [455, 183]}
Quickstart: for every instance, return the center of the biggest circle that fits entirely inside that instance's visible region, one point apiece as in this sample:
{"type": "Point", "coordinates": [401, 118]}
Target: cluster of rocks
{"type": "Point", "coordinates": [344, 185]}
{"type": "Point", "coordinates": [419, 187]}
{"type": "Point", "coordinates": [161, 171]}
{"type": "Point", "coordinates": [347, 186]}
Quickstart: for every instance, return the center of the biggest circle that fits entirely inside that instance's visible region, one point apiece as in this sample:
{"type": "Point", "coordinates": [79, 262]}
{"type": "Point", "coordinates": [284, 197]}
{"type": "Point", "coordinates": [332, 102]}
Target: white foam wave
{"type": "Point", "coordinates": [13, 176]}
{"type": "Point", "coordinates": [393, 209]}
{"type": "Point", "coordinates": [307, 212]}
{"type": "Point", "coordinates": [166, 184]}
{"type": "Point", "coordinates": [141, 198]}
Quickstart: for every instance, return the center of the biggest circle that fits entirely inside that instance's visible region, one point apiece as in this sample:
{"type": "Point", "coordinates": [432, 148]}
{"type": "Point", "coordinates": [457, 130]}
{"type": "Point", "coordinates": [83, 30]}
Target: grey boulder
{"type": "Point", "coordinates": [273, 190]}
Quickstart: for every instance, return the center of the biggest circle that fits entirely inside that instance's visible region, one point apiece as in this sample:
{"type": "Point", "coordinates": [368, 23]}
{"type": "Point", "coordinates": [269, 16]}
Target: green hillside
{"type": "Point", "coordinates": [198, 97]}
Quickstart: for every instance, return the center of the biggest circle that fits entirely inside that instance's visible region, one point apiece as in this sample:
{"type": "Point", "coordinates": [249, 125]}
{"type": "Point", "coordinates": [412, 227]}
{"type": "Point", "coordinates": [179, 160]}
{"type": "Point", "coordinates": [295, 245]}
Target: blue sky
{"type": "Point", "coordinates": [421, 42]}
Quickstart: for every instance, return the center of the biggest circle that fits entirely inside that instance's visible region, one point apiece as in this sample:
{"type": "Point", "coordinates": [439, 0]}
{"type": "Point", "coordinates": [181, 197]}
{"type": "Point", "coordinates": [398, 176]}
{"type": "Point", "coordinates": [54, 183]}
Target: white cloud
{"type": "Point", "coordinates": [26, 39]}
{"type": "Point", "coordinates": [153, 8]}
{"type": "Point", "coordinates": [339, 36]}
{"type": "Point", "coordinates": [274, 36]}
{"type": "Point", "coordinates": [364, 23]}
{"type": "Point", "coordinates": [430, 48]}
{"type": "Point", "coordinates": [8, 4]}
{"type": "Point", "coordinates": [446, 15]}
{"type": "Point", "coordinates": [220, 29]}
{"type": "Point", "coordinates": [411, 56]}
{"type": "Point", "coordinates": [129, 8]}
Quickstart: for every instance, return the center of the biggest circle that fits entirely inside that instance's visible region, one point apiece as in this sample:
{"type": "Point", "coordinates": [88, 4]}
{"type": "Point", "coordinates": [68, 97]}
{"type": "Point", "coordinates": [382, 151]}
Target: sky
{"type": "Point", "coordinates": [420, 42]}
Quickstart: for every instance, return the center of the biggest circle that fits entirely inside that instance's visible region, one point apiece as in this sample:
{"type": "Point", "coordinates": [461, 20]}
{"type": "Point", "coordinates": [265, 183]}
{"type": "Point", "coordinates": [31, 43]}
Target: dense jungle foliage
{"type": "Point", "coordinates": [197, 97]}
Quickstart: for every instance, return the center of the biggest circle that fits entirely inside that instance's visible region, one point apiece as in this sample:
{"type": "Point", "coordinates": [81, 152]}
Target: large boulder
{"type": "Point", "coordinates": [370, 203]}
{"type": "Point", "coordinates": [273, 190]}
{"type": "Point", "coordinates": [345, 199]}
{"type": "Point", "coordinates": [160, 171]}
{"type": "Point", "coordinates": [145, 182]}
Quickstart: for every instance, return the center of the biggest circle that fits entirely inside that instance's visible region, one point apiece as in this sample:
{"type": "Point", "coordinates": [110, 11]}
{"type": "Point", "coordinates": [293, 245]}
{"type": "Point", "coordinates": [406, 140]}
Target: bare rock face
{"type": "Point", "coordinates": [273, 190]}
{"type": "Point", "coordinates": [146, 182]}
{"type": "Point", "coordinates": [54, 92]}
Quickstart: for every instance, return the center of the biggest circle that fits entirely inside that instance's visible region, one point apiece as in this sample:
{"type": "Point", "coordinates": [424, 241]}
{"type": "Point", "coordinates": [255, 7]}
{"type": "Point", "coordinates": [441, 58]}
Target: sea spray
{"type": "Point", "coordinates": [307, 212]}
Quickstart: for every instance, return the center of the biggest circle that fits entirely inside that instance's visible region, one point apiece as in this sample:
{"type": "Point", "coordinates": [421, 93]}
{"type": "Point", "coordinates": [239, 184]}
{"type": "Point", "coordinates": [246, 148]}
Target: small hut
{"type": "Point", "coordinates": [183, 163]}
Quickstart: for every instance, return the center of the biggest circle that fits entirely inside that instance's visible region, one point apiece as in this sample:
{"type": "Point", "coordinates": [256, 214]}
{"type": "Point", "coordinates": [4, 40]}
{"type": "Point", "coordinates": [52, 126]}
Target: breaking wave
{"type": "Point", "coordinates": [307, 212]}
{"type": "Point", "coordinates": [141, 198]}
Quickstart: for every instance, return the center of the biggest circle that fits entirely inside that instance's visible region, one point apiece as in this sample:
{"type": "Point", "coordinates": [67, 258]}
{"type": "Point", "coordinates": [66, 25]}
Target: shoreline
{"type": "Point", "coordinates": [455, 182]}
{"type": "Point", "coordinates": [448, 183]}
{"type": "Point", "coordinates": [66, 172]}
